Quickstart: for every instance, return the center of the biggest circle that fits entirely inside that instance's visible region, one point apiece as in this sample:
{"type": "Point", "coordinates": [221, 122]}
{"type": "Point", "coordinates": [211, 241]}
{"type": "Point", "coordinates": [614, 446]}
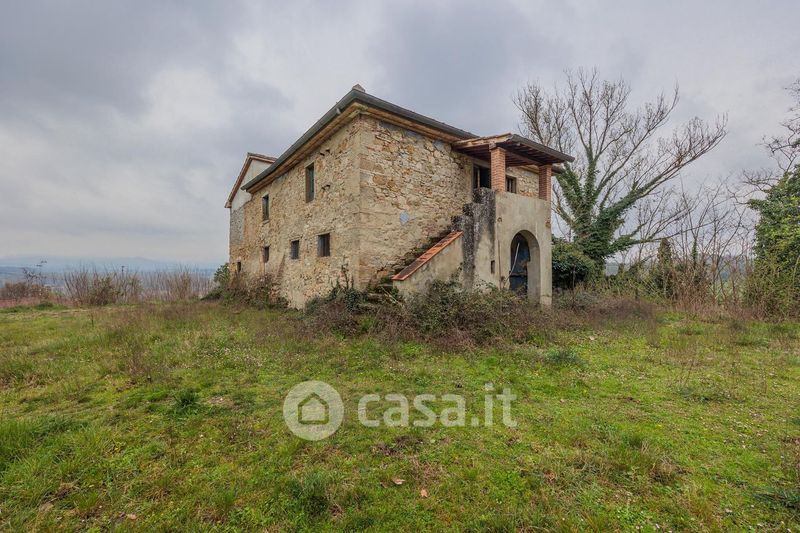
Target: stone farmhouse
{"type": "Point", "coordinates": [374, 195]}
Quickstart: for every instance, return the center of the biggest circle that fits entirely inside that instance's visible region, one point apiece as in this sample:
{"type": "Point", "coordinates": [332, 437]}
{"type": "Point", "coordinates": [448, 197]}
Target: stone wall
{"type": "Point", "coordinates": [334, 210]}
{"type": "Point", "coordinates": [382, 191]}
{"type": "Point", "coordinates": [411, 188]}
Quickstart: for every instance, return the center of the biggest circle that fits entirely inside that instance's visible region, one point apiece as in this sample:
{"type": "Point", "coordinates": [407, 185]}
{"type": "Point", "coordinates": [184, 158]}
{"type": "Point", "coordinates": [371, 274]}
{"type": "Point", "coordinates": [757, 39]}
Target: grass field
{"type": "Point", "coordinates": [169, 417]}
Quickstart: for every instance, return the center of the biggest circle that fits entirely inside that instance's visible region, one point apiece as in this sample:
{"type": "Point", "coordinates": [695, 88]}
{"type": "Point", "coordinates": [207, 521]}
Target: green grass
{"type": "Point", "coordinates": [170, 418]}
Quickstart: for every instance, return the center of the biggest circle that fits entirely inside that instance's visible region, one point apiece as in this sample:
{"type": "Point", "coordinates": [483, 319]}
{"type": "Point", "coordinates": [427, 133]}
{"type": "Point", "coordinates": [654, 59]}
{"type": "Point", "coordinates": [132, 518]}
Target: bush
{"type": "Point", "coordinates": [186, 400]}
{"type": "Point", "coordinates": [222, 276]}
{"type": "Point", "coordinates": [445, 314]}
{"type": "Point", "coordinates": [260, 291]}
{"type": "Point", "coordinates": [448, 309]}
{"type": "Point", "coordinates": [343, 311]}
{"type": "Point", "coordinates": [33, 286]}
{"type": "Point", "coordinates": [770, 292]}
{"type": "Point", "coordinates": [561, 357]}
{"type": "Point", "coordinates": [774, 287]}
{"type": "Point", "coordinates": [20, 290]}
{"type": "Point", "coordinates": [87, 287]}
{"type": "Point", "coordinates": [570, 265]}
{"type": "Point", "coordinates": [91, 288]}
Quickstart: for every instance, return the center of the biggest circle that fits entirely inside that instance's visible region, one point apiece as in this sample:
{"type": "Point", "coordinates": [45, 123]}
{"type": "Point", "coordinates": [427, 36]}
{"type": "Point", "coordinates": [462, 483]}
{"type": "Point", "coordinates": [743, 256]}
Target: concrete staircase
{"type": "Point", "coordinates": [384, 291]}
{"type": "Point", "coordinates": [475, 214]}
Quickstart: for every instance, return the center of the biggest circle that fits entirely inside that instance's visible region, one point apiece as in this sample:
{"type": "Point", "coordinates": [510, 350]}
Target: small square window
{"type": "Point", "coordinates": [265, 207]}
{"type": "Point", "coordinates": [324, 245]}
{"type": "Point", "coordinates": [265, 254]}
{"type": "Point", "coordinates": [294, 250]}
{"type": "Point", "coordinates": [310, 182]}
{"type": "Point", "coordinates": [511, 184]}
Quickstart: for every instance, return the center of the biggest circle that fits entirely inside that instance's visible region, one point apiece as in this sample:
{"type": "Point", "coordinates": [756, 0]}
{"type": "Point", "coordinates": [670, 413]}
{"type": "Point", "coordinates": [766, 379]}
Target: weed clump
{"type": "Point", "coordinates": [563, 357]}
{"type": "Point", "coordinates": [186, 400]}
{"type": "Point", "coordinates": [311, 493]}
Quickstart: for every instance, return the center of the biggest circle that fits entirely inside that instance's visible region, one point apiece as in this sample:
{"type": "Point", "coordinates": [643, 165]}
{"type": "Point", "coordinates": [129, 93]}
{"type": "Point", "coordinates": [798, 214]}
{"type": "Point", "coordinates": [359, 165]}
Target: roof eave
{"type": "Point", "coordinates": [249, 158]}
{"type": "Point", "coordinates": [520, 150]}
{"type": "Point", "coordinates": [564, 158]}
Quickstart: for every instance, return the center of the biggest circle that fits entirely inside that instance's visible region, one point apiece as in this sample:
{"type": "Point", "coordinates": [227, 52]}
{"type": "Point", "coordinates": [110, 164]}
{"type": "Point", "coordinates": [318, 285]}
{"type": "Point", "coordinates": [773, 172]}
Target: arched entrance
{"type": "Point", "coordinates": [524, 273]}
{"type": "Point", "coordinates": [520, 258]}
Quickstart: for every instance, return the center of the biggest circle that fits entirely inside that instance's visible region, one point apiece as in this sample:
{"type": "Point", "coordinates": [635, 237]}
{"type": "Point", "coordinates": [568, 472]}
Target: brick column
{"type": "Point", "coordinates": [545, 182]}
{"type": "Point", "coordinates": [498, 168]}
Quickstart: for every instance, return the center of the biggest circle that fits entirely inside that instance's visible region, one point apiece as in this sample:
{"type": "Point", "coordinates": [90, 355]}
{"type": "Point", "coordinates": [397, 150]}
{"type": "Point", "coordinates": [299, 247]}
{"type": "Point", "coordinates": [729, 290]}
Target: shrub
{"type": "Point", "coordinates": [775, 284]}
{"type": "Point", "coordinates": [560, 357]}
{"type": "Point", "coordinates": [32, 286]}
{"type": "Point", "coordinates": [18, 290]}
{"type": "Point", "coordinates": [262, 292]}
{"type": "Point", "coordinates": [87, 287]}
{"type": "Point", "coordinates": [222, 276]}
{"type": "Point", "coordinates": [343, 311]}
{"type": "Point", "coordinates": [446, 308]}
{"type": "Point", "coordinates": [445, 313]}
{"type": "Point", "coordinates": [570, 265]}
{"type": "Point", "coordinates": [176, 285]}
{"type": "Point", "coordinates": [259, 291]}
{"type": "Point", "coordinates": [770, 292]}
{"type": "Point", "coordinates": [92, 288]}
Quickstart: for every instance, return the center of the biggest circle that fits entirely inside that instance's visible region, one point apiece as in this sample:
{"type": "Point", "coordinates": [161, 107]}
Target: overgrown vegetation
{"type": "Point", "coordinates": [452, 318]}
{"type": "Point", "coordinates": [33, 287]}
{"type": "Point", "coordinates": [776, 283]}
{"type": "Point", "coordinates": [257, 291]}
{"type": "Point", "coordinates": [571, 267]}
{"type": "Point", "coordinates": [692, 250]}
{"type": "Point", "coordinates": [90, 287]}
{"type": "Point", "coordinates": [626, 420]}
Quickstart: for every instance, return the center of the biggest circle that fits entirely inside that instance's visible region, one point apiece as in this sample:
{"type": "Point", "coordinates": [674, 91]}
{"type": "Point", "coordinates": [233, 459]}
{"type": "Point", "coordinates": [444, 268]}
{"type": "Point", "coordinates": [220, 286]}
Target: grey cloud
{"type": "Point", "coordinates": [123, 124]}
{"type": "Point", "coordinates": [456, 64]}
{"type": "Point", "coordinates": [74, 56]}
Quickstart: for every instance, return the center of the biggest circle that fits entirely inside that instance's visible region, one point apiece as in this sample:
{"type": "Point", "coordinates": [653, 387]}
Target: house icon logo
{"type": "Point", "coordinates": [313, 410]}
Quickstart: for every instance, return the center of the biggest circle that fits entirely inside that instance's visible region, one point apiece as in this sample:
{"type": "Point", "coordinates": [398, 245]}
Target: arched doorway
{"type": "Point", "coordinates": [525, 273]}
{"type": "Point", "coordinates": [520, 259]}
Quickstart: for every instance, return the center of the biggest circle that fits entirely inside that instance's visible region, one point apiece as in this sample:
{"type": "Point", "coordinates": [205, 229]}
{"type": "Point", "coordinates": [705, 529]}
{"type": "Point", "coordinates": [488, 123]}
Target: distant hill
{"type": "Point", "coordinates": [10, 274]}
{"type": "Point", "coordinates": [11, 267]}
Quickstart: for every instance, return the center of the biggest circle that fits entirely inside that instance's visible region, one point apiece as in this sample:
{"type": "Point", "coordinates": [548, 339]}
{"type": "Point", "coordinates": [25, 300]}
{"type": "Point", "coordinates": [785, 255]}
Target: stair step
{"type": "Point", "coordinates": [427, 255]}
{"type": "Point", "coordinates": [410, 257]}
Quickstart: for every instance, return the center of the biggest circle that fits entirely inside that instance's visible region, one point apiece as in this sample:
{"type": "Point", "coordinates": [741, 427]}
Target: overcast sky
{"type": "Point", "coordinates": [123, 125]}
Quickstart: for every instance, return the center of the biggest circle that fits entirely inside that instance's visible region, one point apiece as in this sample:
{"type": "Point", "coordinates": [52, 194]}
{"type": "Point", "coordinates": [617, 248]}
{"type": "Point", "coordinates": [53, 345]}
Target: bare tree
{"type": "Point", "coordinates": [620, 161]}
{"type": "Point", "coordinates": [786, 148]}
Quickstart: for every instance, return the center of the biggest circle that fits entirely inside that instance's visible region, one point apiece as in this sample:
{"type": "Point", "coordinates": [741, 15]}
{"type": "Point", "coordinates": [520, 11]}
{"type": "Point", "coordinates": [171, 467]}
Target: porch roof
{"type": "Point", "coordinates": [519, 150]}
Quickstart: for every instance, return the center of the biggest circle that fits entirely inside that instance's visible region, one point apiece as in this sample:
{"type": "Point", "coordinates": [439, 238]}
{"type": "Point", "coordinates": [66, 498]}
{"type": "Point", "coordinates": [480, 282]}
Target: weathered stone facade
{"type": "Point", "coordinates": [411, 188]}
{"type": "Point", "coordinates": [383, 188]}
{"type": "Point", "coordinates": [334, 210]}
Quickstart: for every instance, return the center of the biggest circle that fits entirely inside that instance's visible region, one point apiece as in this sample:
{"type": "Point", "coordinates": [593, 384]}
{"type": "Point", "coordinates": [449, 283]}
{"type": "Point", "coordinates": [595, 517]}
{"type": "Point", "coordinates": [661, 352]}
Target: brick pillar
{"type": "Point", "coordinates": [498, 168]}
{"type": "Point", "coordinates": [545, 182]}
